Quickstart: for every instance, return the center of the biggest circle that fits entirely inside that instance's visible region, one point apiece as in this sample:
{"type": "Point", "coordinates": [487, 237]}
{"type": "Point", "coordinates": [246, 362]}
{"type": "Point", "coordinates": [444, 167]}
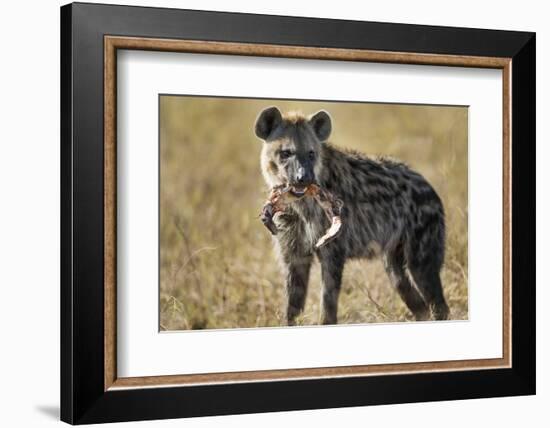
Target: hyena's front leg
{"type": "Point", "coordinates": [296, 256]}
{"type": "Point", "coordinates": [332, 267]}
{"type": "Point", "coordinates": [297, 279]}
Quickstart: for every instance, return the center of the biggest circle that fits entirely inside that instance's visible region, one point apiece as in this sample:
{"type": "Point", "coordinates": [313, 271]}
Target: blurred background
{"type": "Point", "coordinates": [217, 264]}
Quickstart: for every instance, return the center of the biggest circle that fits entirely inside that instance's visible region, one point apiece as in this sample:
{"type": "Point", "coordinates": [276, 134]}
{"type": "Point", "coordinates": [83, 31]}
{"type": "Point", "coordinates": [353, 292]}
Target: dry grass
{"type": "Point", "coordinates": [217, 265]}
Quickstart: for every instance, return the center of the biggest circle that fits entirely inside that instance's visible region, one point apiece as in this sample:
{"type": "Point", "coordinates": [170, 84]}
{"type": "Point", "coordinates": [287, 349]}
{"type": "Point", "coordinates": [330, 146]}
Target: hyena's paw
{"type": "Point", "coordinates": [440, 311]}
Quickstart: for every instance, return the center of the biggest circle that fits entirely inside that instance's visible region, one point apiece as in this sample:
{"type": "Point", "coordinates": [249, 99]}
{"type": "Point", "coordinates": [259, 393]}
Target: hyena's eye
{"type": "Point", "coordinates": [311, 155]}
{"type": "Point", "coordinates": [285, 154]}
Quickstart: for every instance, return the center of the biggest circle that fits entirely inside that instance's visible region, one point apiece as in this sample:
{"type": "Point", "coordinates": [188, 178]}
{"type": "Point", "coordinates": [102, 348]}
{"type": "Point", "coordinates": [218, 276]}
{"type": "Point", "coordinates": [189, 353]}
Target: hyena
{"type": "Point", "coordinates": [389, 211]}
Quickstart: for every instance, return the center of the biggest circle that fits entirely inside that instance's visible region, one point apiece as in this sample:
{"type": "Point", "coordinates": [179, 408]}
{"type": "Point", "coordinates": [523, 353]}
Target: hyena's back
{"type": "Point", "coordinates": [386, 204]}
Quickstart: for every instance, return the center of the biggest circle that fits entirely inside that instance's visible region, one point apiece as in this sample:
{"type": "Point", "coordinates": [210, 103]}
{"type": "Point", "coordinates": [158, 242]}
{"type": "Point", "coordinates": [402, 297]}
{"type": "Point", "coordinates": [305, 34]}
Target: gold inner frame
{"type": "Point", "coordinates": [112, 43]}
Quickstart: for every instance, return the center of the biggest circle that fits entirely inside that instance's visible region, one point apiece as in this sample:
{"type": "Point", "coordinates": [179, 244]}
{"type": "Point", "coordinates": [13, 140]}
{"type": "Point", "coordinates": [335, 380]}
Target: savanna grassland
{"type": "Point", "coordinates": [217, 264]}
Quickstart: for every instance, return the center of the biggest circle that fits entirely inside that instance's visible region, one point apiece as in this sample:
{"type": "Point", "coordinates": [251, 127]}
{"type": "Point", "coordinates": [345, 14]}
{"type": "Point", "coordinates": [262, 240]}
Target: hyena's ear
{"type": "Point", "coordinates": [321, 124]}
{"type": "Point", "coordinates": [267, 121]}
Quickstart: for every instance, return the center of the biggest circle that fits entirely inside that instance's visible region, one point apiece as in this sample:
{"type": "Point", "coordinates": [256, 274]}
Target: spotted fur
{"type": "Point", "coordinates": [390, 211]}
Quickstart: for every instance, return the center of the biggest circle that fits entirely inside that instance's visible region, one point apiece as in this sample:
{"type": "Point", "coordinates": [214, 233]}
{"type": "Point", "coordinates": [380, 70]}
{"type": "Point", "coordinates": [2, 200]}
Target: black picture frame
{"type": "Point", "coordinates": [83, 398]}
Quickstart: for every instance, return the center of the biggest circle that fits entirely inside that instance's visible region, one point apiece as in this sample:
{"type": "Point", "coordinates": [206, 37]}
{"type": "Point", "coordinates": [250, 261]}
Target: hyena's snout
{"type": "Point", "coordinates": [304, 175]}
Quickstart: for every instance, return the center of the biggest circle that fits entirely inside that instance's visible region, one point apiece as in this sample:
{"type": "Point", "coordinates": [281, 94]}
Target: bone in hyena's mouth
{"type": "Point", "coordinates": [283, 196]}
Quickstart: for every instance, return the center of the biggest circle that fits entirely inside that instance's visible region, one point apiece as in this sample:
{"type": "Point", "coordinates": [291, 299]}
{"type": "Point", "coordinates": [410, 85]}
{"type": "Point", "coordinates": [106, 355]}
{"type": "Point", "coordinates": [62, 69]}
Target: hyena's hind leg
{"type": "Point", "coordinates": [424, 261]}
{"type": "Point", "coordinates": [428, 282]}
{"type": "Point", "coordinates": [394, 263]}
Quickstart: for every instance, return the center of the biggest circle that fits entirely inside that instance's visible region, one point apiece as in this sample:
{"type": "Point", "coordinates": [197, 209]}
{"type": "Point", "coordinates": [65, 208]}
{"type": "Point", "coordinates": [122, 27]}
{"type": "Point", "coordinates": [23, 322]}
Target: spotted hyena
{"type": "Point", "coordinates": [389, 211]}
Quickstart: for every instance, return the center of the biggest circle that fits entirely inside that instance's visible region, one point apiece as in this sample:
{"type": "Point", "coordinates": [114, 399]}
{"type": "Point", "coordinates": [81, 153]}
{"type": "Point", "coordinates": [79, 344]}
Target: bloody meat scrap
{"type": "Point", "coordinates": [283, 196]}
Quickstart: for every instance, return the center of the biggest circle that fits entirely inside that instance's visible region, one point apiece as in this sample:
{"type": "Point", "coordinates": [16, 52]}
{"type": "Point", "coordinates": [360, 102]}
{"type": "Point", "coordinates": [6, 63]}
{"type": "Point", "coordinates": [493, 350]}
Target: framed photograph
{"type": "Point", "coordinates": [265, 213]}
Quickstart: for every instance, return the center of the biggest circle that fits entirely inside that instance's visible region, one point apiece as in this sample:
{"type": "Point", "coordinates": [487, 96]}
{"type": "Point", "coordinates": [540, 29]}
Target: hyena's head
{"type": "Point", "coordinates": [292, 146]}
